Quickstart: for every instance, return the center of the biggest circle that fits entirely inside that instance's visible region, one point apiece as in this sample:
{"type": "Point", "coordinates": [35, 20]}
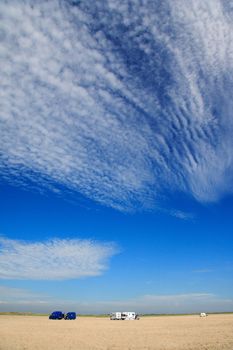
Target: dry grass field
{"type": "Point", "coordinates": [161, 333]}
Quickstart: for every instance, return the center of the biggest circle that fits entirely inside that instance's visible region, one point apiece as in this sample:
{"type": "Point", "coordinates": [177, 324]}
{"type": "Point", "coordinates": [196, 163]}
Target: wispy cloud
{"type": "Point", "coordinates": [181, 214]}
{"type": "Point", "coordinates": [177, 303]}
{"type": "Point", "coordinates": [119, 101]}
{"type": "Point", "coordinates": [20, 296]}
{"type": "Point", "coordinates": [57, 259]}
{"type": "Point", "coordinates": [203, 271]}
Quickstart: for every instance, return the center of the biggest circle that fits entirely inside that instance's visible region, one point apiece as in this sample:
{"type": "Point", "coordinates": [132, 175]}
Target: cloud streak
{"type": "Point", "coordinates": [57, 259]}
{"type": "Point", "coordinates": [24, 300]}
{"type": "Point", "coordinates": [120, 102]}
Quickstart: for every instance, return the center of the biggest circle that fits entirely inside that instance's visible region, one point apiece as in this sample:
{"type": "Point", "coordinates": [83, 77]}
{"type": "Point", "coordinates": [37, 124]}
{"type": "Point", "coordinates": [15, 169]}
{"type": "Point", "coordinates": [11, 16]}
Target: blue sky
{"type": "Point", "coordinates": [116, 156]}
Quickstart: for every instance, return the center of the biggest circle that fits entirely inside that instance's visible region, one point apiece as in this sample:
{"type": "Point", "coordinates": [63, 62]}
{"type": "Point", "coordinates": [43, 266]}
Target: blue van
{"type": "Point", "coordinates": [70, 316]}
{"type": "Point", "coordinates": [56, 315]}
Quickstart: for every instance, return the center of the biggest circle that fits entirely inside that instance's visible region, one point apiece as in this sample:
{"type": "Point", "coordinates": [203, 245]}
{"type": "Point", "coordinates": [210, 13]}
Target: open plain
{"type": "Point", "coordinates": [214, 332]}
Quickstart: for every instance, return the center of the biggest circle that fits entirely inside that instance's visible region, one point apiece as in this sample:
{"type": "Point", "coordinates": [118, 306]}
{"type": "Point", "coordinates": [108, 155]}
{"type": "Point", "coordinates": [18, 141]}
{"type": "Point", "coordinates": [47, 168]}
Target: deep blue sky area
{"type": "Point", "coordinates": [157, 254]}
{"type": "Point", "coordinates": [116, 161]}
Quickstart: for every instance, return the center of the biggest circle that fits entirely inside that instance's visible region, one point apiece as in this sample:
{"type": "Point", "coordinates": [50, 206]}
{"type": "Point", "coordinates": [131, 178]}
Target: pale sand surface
{"type": "Point", "coordinates": [161, 333]}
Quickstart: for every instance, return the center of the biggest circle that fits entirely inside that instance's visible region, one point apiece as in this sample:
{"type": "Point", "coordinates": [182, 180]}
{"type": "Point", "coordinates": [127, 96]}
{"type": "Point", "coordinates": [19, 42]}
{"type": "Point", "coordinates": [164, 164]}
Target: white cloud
{"type": "Point", "coordinates": [118, 102]}
{"type": "Point", "coordinates": [181, 214]}
{"type": "Point", "coordinates": [57, 259]}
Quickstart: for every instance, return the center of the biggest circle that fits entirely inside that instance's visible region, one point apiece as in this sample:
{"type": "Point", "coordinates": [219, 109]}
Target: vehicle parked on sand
{"type": "Point", "coordinates": [56, 315]}
{"type": "Point", "coordinates": [70, 316]}
{"type": "Point", "coordinates": [115, 316]}
{"type": "Point", "coordinates": [126, 315]}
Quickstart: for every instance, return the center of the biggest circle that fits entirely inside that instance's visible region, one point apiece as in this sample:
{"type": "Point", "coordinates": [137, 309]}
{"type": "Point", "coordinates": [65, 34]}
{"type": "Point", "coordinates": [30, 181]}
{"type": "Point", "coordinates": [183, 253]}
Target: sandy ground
{"type": "Point", "coordinates": [161, 333]}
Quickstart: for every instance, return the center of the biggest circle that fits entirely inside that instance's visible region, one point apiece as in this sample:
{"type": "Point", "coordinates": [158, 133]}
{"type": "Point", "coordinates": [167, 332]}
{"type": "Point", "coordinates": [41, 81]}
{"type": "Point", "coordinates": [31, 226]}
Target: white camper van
{"type": "Point", "coordinates": [126, 315]}
{"type": "Point", "coordinates": [115, 316]}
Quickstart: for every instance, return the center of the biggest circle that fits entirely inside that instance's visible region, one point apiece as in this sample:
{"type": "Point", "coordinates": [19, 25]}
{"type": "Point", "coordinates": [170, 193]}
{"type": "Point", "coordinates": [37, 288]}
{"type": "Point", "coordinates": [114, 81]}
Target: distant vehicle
{"type": "Point", "coordinates": [203, 314]}
{"type": "Point", "coordinates": [56, 315]}
{"type": "Point", "coordinates": [70, 316]}
{"type": "Point", "coordinates": [126, 315]}
{"type": "Point", "coordinates": [115, 316]}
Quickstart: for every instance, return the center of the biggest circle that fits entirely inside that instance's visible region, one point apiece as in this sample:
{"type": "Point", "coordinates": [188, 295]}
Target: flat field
{"type": "Point", "coordinates": [214, 332]}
